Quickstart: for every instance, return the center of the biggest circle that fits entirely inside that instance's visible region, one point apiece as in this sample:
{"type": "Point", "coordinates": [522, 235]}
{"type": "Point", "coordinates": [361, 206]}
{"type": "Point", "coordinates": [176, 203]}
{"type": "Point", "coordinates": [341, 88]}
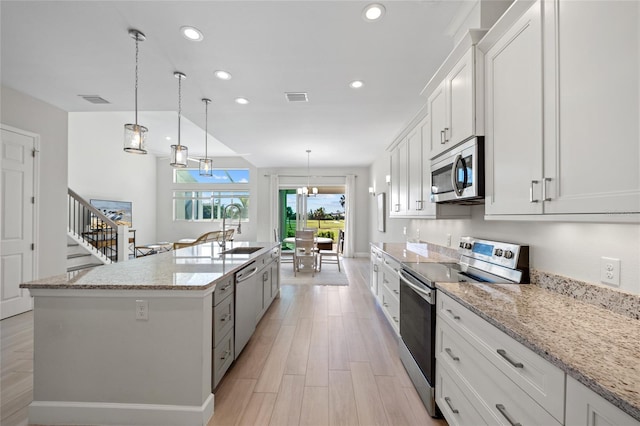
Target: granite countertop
{"type": "Point", "coordinates": [191, 268]}
{"type": "Point", "coordinates": [417, 252]}
{"type": "Point", "coordinates": [597, 347]}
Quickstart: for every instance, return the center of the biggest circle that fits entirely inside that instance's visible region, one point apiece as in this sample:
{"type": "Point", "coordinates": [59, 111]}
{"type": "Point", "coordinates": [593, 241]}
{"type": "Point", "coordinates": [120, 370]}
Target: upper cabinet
{"type": "Point", "coordinates": [455, 100]}
{"type": "Point", "coordinates": [562, 109]}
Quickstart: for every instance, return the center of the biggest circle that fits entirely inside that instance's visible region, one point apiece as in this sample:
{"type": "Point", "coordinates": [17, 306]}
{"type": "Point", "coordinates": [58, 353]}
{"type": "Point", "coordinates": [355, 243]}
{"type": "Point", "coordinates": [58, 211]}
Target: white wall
{"type": "Point", "coordinates": [168, 230]}
{"type": "Point", "coordinates": [568, 249]}
{"type": "Point", "coordinates": [360, 203]}
{"type": "Point", "coordinates": [24, 112]}
{"type": "Point", "coordinates": [99, 168]}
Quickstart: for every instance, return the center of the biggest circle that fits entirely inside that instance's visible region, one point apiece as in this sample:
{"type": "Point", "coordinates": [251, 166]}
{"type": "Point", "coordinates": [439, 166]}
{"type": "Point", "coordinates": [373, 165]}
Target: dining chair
{"type": "Point", "coordinates": [305, 254]}
{"type": "Point", "coordinates": [286, 254]}
{"type": "Point", "coordinates": [332, 256]}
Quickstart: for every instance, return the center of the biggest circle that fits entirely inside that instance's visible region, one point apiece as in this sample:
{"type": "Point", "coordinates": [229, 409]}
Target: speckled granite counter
{"type": "Point", "coordinates": [599, 348]}
{"type": "Point", "coordinates": [191, 268]}
{"type": "Point", "coordinates": [417, 252]}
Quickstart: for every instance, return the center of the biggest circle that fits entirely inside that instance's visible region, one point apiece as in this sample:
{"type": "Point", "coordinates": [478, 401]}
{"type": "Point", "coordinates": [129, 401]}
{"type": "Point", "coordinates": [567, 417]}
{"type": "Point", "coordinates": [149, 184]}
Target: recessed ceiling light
{"type": "Point", "coordinates": [191, 33]}
{"type": "Point", "coordinates": [373, 12]}
{"type": "Point", "coordinates": [356, 84]}
{"type": "Point", "coordinates": [242, 101]}
{"type": "Point", "coordinates": [222, 75]}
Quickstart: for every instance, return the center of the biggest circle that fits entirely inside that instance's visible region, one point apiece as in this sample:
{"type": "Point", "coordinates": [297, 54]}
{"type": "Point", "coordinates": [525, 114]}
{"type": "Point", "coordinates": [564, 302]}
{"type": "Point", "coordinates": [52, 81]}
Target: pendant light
{"type": "Point", "coordinates": [179, 152]}
{"type": "Point", "coordinates": [206, 162]}
{"type": "Point", "coordinates": [307, 190]}
{"type": "Point", "coordinates": [135, 136]}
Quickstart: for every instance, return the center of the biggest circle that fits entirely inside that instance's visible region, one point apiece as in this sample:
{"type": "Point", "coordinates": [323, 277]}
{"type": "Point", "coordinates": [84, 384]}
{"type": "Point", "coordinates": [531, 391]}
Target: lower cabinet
{"type": "Point", "coordinates": [223, 326]}
{"type": "Point", "coordinates": [484, 376]}
{"type": "Point", "coordinates": [386, 286]}
{"type": "Point", "coordinates": [587, 408]}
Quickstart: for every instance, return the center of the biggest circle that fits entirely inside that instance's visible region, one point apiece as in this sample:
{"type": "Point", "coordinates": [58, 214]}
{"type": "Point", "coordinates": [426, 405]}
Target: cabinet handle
{"type": "Point", "coordinates": [224, 318]}
{"type": "Point", "coordinates": [386, 305]}
{"type": "Point", "coordinates": [448, 401]}
{"type": "Point", "coordinates": [506, 415]}
{"type": "Point", "coordinates": [504, 355]}
{"type": "Point", "coordinates": [375, 268]}
{"type": "Point", "coordinates": [226, 354]}
{"type": "Point", "coordinates": [531, 200]}
{"type": "Point", "coordinates": [544, 189]}
{"type": "Point", "coordinates": [453, 357]}
{"type": "Point", "coordinates": [395, 319]}
{"type": "Point", "coordinates": [225, 287]}
{"type": "Point", "coordinates": [396, 291]}
{"type": "Point", "coordinates": [455, 317]}
{"type": "Point", "coordinates": [419, 205]}
{"type": "Point", "coordinates": [442, 141]}
{"type": "Point", "coordinates": [445, 134]}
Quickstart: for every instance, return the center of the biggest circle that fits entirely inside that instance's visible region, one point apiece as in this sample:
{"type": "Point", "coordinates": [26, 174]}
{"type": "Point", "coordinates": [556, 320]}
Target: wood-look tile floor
{"type": "Point", "coordinates": [322, 355]}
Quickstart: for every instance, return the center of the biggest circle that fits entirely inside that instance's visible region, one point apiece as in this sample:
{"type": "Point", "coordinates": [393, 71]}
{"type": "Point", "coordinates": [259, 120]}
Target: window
{"type": "Point", "coordinates": [202, 198]}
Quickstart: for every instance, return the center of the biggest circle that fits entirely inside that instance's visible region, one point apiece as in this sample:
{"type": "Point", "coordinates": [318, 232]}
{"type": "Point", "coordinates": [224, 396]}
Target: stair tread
{"type": "Point", "coordinates": [83, 266]}
{"type": "Point", "coordinates": [75, 255]}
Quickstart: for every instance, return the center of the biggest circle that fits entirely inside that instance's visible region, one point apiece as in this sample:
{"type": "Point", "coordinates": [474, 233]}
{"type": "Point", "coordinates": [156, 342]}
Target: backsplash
{"type": "Point", "coordinates": [614, 300]}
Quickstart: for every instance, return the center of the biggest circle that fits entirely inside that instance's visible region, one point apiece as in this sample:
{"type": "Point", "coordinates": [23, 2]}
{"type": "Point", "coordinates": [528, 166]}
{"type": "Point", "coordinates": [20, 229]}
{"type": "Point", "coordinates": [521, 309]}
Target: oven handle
{"type": "Point", "coordinates": [426, 295]}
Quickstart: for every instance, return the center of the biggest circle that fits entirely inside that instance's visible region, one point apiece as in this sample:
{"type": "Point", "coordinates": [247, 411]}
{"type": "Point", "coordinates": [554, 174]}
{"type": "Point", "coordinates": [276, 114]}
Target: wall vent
{"type": "Point", "coordinates": [297, 97]}
{"type": "Point", "coordinates": [94, 99]}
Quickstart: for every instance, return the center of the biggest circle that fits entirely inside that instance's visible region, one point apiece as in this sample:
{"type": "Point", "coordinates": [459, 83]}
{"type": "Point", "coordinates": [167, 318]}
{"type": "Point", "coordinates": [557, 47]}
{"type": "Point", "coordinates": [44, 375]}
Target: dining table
{"type": "Point", "coordinates": [324, 243]}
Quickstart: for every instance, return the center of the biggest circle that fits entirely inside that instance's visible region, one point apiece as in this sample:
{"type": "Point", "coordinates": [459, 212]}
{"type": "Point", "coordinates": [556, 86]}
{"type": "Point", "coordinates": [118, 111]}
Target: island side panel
{"type": "Point", "coordinates": [92, 349]}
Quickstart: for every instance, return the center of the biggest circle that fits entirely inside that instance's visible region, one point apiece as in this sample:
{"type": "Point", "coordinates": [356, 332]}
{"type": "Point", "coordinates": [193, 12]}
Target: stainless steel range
{"type": "Point", "coordinates": [480, 261]}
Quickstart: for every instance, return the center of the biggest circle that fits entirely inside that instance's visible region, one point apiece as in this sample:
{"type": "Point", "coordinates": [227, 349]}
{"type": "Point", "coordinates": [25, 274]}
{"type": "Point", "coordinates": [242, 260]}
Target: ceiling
{"type": "Point", "coordinates": [57, 50]}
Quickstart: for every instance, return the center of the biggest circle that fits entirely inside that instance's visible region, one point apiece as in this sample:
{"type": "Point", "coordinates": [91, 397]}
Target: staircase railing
{"type": "Point", "coordinates": [92, 226]}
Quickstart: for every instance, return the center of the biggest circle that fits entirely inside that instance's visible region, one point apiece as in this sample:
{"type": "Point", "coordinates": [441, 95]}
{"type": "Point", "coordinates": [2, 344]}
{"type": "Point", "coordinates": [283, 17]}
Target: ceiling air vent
{"type": "Point", "coordinates": [94, 99]}
{"type": "Point", "coordinates": [297, 97]}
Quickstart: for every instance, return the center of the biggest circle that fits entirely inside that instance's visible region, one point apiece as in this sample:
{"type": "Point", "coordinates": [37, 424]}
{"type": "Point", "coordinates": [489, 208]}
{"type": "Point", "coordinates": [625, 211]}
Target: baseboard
{"type": "Point", "coordinates": [69, 413]}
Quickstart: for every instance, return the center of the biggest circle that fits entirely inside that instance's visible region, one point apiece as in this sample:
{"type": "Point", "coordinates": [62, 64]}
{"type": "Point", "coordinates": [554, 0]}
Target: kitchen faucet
{"type": "Point", "coordinates": [223, 244]}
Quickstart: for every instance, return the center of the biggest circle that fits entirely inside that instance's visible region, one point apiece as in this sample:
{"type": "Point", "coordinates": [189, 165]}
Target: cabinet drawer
{"type": "Point", "coordinates": [222, 319]}
{"type": "Point", "coordinates": [452, 401]}
{"type": "Point", "coordinates": [223, 289]}
{"type": "Point", "coordinates": [390, 306]}
{"type": "Point", "coordinates": [389, 270]}
{"type": "Point", "coordinates": [540, 379]}
{"type": "Point", "coordinates": [222, 358]}
{"type": "Point", "coordinates": [505, 400]}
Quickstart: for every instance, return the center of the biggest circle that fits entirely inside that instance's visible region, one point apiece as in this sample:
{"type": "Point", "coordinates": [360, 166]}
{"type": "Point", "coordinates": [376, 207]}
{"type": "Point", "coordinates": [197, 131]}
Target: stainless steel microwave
{"type": "Point", "coordinates": [457, 175]}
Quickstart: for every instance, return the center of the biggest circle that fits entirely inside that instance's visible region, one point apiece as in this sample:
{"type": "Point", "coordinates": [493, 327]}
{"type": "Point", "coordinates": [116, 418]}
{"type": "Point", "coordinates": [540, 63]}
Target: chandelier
{"type": "Point", "coordinates": [307, 190]}
{"type": "Point", "coordinates": [179, 152]}
{"type": "Point", "coordinates": [206, 162]}
{"type": "Point", "coordinates": [135, 136]}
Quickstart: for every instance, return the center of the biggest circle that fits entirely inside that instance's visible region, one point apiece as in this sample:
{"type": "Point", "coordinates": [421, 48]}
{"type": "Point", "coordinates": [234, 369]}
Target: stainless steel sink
{"type": "Point", "coordinates": [242, 250]}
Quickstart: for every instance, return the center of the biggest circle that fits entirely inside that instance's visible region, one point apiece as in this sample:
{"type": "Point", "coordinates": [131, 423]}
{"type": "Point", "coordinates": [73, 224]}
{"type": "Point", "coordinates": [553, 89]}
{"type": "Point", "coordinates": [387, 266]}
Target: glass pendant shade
{"type": "Point", "coordinates": [179, 154]}
{"type": "Point", "coordinates": [135, 138]}
{"type": "Point", "coordinates": [206, 167]}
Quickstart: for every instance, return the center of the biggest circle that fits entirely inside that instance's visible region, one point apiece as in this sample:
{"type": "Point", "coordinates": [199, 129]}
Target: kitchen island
{"type": "Point", "coordinates": [131, 342]}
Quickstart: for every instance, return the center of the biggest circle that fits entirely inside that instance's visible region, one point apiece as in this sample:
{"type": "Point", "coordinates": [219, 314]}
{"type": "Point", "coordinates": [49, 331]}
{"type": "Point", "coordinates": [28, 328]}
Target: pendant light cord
{"type": "Point", "coordinates": [179, 105]}
{"type": "Point", "coordinates": [136, 89]}
{"type": "Point", "coordinates": [206, 128]}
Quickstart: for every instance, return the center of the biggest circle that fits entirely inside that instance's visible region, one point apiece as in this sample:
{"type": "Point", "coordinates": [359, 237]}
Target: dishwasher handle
{"type": "Point", "coordinates": [240, 277]}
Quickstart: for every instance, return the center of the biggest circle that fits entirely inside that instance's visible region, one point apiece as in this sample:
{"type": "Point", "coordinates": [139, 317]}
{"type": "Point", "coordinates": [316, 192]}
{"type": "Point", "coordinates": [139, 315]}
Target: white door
{"type": "Point", "coordinates": [17, 222]}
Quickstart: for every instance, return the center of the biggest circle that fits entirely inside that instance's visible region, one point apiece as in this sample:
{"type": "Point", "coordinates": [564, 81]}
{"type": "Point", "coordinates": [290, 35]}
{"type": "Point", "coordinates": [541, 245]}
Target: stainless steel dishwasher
{"type": "Point", "coordinates": [248, 283]}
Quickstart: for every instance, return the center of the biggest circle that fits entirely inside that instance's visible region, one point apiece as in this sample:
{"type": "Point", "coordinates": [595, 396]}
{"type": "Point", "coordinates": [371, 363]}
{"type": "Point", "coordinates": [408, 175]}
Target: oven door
{"type": "Point", "coordinates": [418, 322]}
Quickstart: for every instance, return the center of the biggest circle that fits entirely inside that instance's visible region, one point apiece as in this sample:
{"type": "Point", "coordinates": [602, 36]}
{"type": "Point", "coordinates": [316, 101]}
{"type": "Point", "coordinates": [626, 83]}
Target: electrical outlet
{"type": "Point", "coordinates": [404, 230]}
{"type": "Point", "coordinates": [448, 240]}
{"type": "Point", "coordinates": [418, 234]}
{"type": "Point", "coordinates": [142, 310]}
{"type": "Point", "coordinates": [610, 271]}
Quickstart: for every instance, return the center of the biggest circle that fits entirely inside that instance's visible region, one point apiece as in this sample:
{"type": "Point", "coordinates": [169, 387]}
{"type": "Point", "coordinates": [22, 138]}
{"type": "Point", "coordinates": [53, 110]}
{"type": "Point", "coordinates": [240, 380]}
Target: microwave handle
{"type": "Point", "coordinates": [457, 191]}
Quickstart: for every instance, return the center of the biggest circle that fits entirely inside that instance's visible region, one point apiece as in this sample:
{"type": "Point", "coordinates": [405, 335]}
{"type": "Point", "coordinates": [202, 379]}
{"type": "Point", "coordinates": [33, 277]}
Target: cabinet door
{"type": "Point", "coordinates": [399, 187]}
{"type": "Point", "coordinates": [266, 289]}
{"type": "Point", "coordinates": [438, 113]}
{"type": "Point", "coordinates": [275, 279]}
{"type": "Point", "coordinates": [513, 163]}
{"type": "Point", "coordinates": [415, 202]}
{"type": "Point", "coordinates": [592, 151]}
{"type": "Point", "coordinates": [586, 408]}
{"type": "Point", "coordinates": [460, 89]}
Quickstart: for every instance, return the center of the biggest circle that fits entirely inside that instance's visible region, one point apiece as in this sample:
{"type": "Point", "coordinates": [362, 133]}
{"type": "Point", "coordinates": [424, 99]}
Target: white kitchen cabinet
{"type": "Point", "coordinates": [386, 287]}
{"type": "Point", "coordinates": [399, 180]}
{"type": "Point", "coordinates": [562, 108]}
{"type": "Point", "coordinates": [452, 106]}
{"type": "Point", "coordinates": [223, 329]}
{"type": "Point", "coordinates": [504, 380]}
{"type": "Point", "coordinates": [411, 178]}
{"type": "Point", "coordinates": [587, 408]}
{"type": "Point", "coordinates": [376, 261]}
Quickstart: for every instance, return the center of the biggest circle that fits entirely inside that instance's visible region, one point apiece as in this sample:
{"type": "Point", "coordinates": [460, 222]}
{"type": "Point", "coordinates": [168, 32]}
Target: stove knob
{"type": "Point", "coordinates": [468, 246]}
{"type": "Point", "coordinates": [497, 253]}
{"type": "Point", "coordinates": [508, 254]}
